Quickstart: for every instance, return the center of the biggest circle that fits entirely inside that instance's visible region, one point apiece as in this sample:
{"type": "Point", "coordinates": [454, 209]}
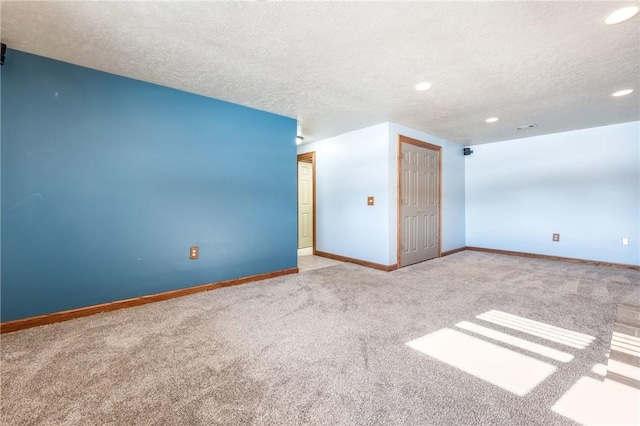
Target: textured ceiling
{"type": "Point", "coordinates": [340, 66]}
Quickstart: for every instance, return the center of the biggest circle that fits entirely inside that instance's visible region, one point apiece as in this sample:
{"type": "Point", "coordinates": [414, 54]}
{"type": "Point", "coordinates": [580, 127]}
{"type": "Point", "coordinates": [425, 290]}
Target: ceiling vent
{"type": "Point", "coordinates": [528, 126]}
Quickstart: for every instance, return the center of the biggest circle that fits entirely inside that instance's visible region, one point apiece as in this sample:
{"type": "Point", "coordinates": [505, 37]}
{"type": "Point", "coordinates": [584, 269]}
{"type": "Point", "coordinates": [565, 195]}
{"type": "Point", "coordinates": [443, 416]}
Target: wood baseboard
{"type": "Point", "coordinates": [447, 253]}
{"type": "Point", "coordinates": [368, 264]}
{"type": "Point", "coordinates": [555, 258]}
{"type": "Point", "coordinates": [23, 323]}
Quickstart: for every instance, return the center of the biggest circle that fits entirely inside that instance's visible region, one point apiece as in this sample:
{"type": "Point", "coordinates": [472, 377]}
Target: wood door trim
{"type": "Point", "coordinates": [405, 139]}
{"type": "Point", "coordinates": [23, 323]}
{"type": "Point", "coordinates": [310, 157]}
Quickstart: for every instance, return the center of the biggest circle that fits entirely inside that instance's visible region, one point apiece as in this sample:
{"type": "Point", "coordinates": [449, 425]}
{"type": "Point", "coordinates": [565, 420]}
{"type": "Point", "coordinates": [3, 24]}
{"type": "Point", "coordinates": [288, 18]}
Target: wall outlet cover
{"type": "Point", "coordinates": [193, 252]}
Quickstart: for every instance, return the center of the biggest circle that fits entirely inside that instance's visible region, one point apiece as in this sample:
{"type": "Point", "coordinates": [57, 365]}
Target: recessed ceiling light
{"type": "Point", "coordinates": [492, 119]}
{"type": "Point", "coordinates": [621, 15]}
{"type": "Point", "coordinates": [622, 92]}
{"type": "Point", "coordinates": [425, 85]}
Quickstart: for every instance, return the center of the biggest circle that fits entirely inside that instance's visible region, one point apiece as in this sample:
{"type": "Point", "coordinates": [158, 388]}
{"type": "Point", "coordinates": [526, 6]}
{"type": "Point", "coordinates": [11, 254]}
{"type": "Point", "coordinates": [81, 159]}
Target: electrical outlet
{"type": "Point", "coordinates": [625, 241]}
{"type": "Point", "coordinates": [369, 201]}
{"type": "Point", "coordinates": [193, 252]}
{"type": "Point", "coordinates": [556, 237]}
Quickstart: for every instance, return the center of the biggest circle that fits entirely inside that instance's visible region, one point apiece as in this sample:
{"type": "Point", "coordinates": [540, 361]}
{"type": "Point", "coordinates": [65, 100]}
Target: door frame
{"type": "Point", "coordinates": [308, 157]}
{"type": "Point", "coordinates": [404, 139]}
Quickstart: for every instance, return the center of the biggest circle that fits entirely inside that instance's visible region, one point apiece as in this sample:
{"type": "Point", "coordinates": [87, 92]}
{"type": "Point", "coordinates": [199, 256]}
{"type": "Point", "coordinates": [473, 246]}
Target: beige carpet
{"type": "Point", "coordinates": [472, 338]}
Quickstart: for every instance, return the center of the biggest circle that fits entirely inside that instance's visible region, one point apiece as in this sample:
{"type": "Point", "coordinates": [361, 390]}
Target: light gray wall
{"type": "Point", "coordinates": [349, 168]}
{"type": "Point", "coordinates": [582, 184]}
{"type": "Point", "coordinates": [362, 163]}
{"type": "Point", "coordinates": [510, 195]}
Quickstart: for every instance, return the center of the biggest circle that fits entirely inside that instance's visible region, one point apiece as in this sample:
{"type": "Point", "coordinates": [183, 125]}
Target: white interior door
{"type": "Point", "coordinates": [419, 204]}
{"type": "Point", "coordinates": [305, 205]}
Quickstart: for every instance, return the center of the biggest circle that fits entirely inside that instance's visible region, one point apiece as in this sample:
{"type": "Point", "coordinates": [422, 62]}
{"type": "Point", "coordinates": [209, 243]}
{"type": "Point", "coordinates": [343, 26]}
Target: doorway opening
{"type": "Point", "coordinates": [307, 203]}
{"type": "Point", "coordinates": [419, 201]}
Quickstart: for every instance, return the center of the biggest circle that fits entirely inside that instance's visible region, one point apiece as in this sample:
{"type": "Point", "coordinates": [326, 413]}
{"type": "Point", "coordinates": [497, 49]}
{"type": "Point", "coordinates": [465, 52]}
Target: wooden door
{"type": "Point", "coordinates": [305, 204]}
{"type": "Point", "coordinates": [419, 199]}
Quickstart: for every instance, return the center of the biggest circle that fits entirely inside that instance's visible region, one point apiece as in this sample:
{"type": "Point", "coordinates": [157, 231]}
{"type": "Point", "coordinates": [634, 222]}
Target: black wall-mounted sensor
{"type": "Point", "coordinates": [467, 151]}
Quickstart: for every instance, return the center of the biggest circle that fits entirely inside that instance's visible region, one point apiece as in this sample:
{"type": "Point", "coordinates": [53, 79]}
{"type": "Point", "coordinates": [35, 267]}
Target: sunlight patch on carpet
{"type": "Point", "coordinates": [516, 342]}
{"type": "Point", "coordinates": [625, 343]}
{"type": "Point", "coordinates": [599, 369]}
{"type": "Point", "coordinates": [509, 370]}
{"type": "Point", "coordinates": [539, 329]}
{"type": "Point", "coordinates": [624, 369]}
{"type": "Point", "coordinates": [591, 401]}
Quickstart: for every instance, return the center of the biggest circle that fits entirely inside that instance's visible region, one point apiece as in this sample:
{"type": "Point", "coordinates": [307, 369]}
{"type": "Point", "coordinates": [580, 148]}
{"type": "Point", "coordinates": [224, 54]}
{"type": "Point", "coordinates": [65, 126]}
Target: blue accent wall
{"type": "Point", "coordinates": [107, 182]}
